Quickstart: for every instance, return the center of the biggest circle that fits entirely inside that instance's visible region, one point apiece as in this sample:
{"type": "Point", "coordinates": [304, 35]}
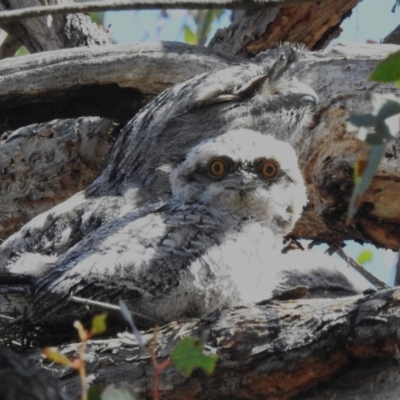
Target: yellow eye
{"type": "Point", "coordinates": [218, 168]}
{"type": "Point", "coordinates": [269, 169]}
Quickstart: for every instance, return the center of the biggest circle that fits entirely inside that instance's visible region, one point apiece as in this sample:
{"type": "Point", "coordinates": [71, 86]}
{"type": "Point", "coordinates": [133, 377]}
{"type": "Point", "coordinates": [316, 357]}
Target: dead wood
{"type": "Point", "coordinates": [275, 351]}
{"type": "Point", "coordinates": [253, 31]}
{"type": "Point", "coordinates": [112, 82]}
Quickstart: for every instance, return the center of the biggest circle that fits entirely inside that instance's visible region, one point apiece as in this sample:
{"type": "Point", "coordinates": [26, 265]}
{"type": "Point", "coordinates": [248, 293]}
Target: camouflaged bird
{"type": "Point", "coordinates": [215, 244]}
{"type": "Point", "coordinates": [110, 241]}
{"type": "Point", "coordinates": [266, 97]}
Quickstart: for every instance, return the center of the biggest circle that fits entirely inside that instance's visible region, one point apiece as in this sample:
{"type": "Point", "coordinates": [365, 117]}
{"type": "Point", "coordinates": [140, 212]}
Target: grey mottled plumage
{"type": "Point", "coordinates": [267, 97]}
{"type": "Point", "coordinates": [209, 247]}
{"type": "Point", "coordinates": [111, 240]}
{"type": "Point", "coordinates": [215, 244]}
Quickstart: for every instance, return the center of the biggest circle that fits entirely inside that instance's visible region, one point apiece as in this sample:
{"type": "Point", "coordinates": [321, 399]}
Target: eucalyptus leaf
{"type": "Point", "coordinates": [385, 105]}
{"type": "Point", "coordinates": [376, 153]}
{"type": "Point", "coordinates": [392, 124]}
{"type": "Point", "coordinates": [189, 36]}
{"type": "Point", "coordinates": [358, 121]}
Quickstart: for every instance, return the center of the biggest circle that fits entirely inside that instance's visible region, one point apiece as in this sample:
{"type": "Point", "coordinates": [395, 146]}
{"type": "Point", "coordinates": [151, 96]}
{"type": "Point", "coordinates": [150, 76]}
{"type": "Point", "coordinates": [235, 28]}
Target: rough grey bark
{"type": "Point", "coordinates": [87, 81]}
{"type": "Point", "coordinates": [44, 164]}
{"type": "Point", "coordinates": [253, 31]}
{"type": "Point", "coordinates": [52, 32]}
{"type": "Point", "coordinates": [275, 351]}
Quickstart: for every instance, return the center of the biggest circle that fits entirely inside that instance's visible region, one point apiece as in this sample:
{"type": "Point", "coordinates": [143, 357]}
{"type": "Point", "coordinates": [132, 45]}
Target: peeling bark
{"type": "Point", "coordinates": [314, 24]}
{"type": "Point", "coordinates": [274, 351]}
{"type": "Point", "coordinates": [328, 152]}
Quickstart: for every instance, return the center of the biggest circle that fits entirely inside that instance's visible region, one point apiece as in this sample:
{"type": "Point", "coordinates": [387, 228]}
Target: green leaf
{"type": "Point", "coordinates": [121, 392]}
{"type": "Point", "coordinates": [97, 17]}
{"type": "Point", "coordinates": [189, 36]}
{"type": "Point", "coordinates": [54, 355]}
{"type": "Point", "coordinates": [384, 118]}
{"type": "Point", "coordinates": [22, 51]}
{"type": "Point", "coordinates": [99, 324]}
{"type": "Point", "coordinates": [385, 105]}
{"type": "Point", "coordinates": [364, 256]}
{"type": "Point", "coordinates": [189, 354]}
{"type": "Point", "coordinates": [388, 69]}
{"type": "Point", "coordinates": [375, 155]}
{"type": "Point", "coordinates": [94, 392]}
{"type": "Point", "coordinates": [358, 121]}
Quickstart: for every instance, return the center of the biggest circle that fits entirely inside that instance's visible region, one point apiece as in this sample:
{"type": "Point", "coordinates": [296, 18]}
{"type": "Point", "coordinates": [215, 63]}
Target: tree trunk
{"type": "Point", "coordinates": [314, 24]}
{"type": "Point", "coordinates": [52, 32]}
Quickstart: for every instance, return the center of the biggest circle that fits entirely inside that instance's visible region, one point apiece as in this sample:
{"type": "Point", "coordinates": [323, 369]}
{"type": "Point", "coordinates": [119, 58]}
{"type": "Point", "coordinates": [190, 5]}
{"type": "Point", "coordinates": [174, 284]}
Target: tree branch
{"type": "Point", "coordinates": [9, 46]}
{"type": "Point", "coordinates": [272, 351]}
{"type": "Point", "coordinates": [253, 32]}
{"type": "Point", "coordinates": [91, 6]}
{"type": "Point", "coordinates": [60, 31]}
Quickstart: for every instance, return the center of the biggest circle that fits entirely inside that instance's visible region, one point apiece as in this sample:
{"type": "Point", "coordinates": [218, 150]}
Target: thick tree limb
{"type": "Point", "coordinates": [274, 351]}
{"type": "Point", "coordinates": [84, 81]}
{"type": "Point", "coordinates": [314, 24]}
{"type": "Point", "coordinates": [9, 46]}
{"type": "Point", "coordinates": [51, 33]}
{"type": "Point", "coordinates": [33, 12]}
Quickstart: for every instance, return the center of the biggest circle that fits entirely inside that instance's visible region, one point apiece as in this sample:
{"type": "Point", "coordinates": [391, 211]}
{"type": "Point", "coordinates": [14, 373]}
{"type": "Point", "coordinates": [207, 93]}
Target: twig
{"type": "Point", "coordinates": [82, 370]}
{"type": "Point", "coordinates": [157, 367]}
{"type": "Point", "coordinates": [9, 46]}
{"type": "Point", "coordinates": [6, 317]}
{"type": "Point", "coordinates": [107, 306]}
{"type": "Point", "coordinates": [360, 269]}
{"type": "Point", "coordinates": [92, 6]}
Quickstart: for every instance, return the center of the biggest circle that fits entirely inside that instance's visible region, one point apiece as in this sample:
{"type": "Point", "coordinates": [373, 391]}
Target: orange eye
{"type": "Point", "coordinates": [218, 168]}
{"type": "Point", "coordinates": [269, 169]}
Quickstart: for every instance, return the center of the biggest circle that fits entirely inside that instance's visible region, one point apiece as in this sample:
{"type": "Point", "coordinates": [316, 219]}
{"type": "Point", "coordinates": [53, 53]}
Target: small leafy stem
{"type": "Point", "coordinates": [158, 367]}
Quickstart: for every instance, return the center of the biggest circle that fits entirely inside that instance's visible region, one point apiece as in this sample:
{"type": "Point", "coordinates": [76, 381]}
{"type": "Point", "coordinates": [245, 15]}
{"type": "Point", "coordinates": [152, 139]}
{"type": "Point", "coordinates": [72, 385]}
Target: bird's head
{"type": "Point", "coordinates": [244, 173]}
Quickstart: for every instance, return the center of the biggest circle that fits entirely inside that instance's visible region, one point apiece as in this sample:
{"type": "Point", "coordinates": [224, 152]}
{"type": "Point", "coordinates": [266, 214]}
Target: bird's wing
{"type": "Point", "coordinates": [140, 255]}
{"type": "Point", "coordinates": [54, 232]}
